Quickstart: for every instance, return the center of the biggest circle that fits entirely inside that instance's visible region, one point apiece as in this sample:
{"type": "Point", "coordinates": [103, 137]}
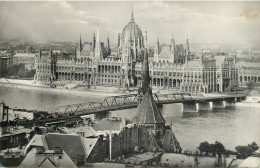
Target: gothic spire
{"type": "Point", "coordinates": [187, 44]}
{"type": "Point", "coordinates": [173, 45]}
{"type": "Point", "coordinates": [80, 43]}
{"type": "Point", "coordinates": [132, 16]}
{"type": "Point", "coordinates": [108, 45]}
{"type": "Point", "coordinates": [146, 77]}
{"type": "Point", "coordinates": [145, 38]}
{"type": "Point", "coordinates": [93, 42]}
{"type": "Point", "coordinates": [97, 46]}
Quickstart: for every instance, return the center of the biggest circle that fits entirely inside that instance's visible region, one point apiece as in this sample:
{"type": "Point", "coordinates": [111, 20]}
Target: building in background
{"type": "Point", "coordinates": [27, 59]}
{"type": "Point", "coordinates": [248, 71]}
{"type": "Point", "coordinates": [173, 66]}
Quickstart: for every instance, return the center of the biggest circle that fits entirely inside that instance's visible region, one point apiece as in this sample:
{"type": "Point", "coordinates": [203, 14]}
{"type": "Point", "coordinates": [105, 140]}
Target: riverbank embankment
{"type": "Point", "coordinates": [29, 85]}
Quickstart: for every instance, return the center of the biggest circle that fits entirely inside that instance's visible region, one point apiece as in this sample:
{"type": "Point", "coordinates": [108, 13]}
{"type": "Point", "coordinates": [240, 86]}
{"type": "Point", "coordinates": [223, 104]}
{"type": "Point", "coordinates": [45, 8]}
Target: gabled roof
{"type": "Point", "coordinates": [47, 158]}
{"type": "Point", "coordinates": [148, 112]}
{"type": "Point", "coordinates": [72, 144]}
{"type": "Point", "coordinates": [37, 141]}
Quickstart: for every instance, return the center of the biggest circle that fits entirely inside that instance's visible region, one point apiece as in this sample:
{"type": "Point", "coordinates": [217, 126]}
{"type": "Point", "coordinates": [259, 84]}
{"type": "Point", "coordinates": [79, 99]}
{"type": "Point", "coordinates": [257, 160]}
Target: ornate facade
{"type": "Point", "coordinates": [248, 71]}
{"type": "Point", "coordinates": [172, 67]}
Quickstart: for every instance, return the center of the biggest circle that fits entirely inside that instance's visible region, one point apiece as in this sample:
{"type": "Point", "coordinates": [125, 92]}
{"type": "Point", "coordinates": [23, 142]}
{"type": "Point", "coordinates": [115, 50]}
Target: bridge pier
{"type": "Point", "coordinates": [239, 99]}
{"type": "Point", "coordinates": [205, 106]}
{"type": "Point", "coordinates": [190, 107]}
{"type": "Point", "coordinates": [218, 104]}
{"type": "Point", "coordinates": [231, 101]}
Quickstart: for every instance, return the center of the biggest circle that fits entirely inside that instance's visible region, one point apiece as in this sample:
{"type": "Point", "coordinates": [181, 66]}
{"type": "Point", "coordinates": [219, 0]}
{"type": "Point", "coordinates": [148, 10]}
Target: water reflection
{"type": "Point", "coordinates": [191, 114]}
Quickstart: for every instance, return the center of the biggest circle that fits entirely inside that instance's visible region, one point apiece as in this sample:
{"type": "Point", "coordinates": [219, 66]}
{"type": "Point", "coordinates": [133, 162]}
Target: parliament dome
{"type": "Point", "coordinates": [132, 32]}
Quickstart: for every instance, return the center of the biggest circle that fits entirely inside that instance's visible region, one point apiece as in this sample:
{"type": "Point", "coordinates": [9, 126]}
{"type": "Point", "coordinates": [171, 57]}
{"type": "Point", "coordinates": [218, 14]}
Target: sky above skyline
{"type": "Point", "coordinates": [203, 22]}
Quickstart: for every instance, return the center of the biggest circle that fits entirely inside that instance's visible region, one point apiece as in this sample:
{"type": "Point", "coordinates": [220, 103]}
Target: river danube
{"type": "Point", "coordinates": [231, 126]}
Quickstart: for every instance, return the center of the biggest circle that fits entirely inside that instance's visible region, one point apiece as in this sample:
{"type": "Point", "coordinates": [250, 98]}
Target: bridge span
{"type": "Point", "coordinates": [73, 112]}
{"type": "Point", "coordinates": [113, 103]}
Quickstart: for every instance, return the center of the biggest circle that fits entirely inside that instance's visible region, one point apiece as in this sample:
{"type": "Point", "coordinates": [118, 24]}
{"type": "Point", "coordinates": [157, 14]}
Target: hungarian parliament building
{"type": "Point", "coordinates": [171, 66]}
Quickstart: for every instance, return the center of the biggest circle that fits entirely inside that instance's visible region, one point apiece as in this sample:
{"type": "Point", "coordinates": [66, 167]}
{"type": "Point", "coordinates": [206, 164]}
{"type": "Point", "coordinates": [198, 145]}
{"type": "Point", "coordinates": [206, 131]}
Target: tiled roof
{"type": "Point", "coordinates": [37, 141]}
{"type": "Point", "coordinates": [72, 144]}
{"type": "Point", "coordinates": [47, 158]}
{"type": "Point", "coordinates": [113, 124]}
{"type": "Point", "coordinates": [148, 112]}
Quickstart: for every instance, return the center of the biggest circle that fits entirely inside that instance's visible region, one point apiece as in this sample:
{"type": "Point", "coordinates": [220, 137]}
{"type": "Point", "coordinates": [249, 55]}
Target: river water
{"type": "Point", "coordinates": [231, 126]}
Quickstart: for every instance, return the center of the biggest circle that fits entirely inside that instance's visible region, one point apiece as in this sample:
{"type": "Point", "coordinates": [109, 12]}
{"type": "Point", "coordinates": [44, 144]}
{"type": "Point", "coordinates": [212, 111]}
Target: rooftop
{"type": "Point", "coordinates": [83, 131]}
{"type": "Point", "coordinates": [47, 158]}
{"type": "Point", "coordinates": [31, 55]}
{"type": "Point", "coordinates": [73, 145]}
{"type": "Point", "coordinates": [112, 124]}
{"type": "Point", "coordinates": [148, 112]}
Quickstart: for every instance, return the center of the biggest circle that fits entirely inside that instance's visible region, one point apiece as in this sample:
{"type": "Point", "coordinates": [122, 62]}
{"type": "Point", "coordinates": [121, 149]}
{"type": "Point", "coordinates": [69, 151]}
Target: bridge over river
{"type": "Point", "coordinates": [113, 103]}
{"type": "Point", "coordinates": [190, 103]}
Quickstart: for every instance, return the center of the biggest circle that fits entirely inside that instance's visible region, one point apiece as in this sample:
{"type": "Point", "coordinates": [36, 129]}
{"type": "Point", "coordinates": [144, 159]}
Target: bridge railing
{"type": "Point", "coordinates": [130, 100]}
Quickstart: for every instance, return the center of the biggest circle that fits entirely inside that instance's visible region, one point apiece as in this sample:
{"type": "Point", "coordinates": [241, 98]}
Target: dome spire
{"type": "Point", "coordinates": [132, 16]}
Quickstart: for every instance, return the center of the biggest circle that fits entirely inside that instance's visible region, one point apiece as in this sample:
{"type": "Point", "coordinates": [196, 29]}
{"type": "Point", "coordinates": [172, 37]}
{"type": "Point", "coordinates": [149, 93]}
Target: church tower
{"type": "Point", "coordinates": [145, 70]}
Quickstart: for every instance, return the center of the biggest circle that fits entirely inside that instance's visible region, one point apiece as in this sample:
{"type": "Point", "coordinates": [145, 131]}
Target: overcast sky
{"type": "Point", "coordinates": [204, 22]}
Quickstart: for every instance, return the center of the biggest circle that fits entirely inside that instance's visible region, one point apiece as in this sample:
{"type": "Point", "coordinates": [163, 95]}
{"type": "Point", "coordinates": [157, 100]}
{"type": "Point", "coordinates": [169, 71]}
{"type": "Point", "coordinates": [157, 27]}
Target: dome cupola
{"type": "Point", "coordinates": [132, 34]}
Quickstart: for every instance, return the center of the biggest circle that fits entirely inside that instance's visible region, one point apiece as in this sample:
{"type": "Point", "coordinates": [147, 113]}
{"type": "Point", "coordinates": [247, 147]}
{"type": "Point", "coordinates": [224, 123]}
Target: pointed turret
{"type": "Point", "coordinates": [172, 46]}
{"type": "Point", "coordinates": [187, 44]}
{"type": "Point", "coordinates": [132, 16]}
{"type": "Point", "coordinates": [80, 44]}
{"type": "Point", "coordinates": [98, 51]}
{"type": "Point", "coordinates": [93, 42]}
{"type": "Point", "coordinates": [118, 40]}
{"type": "Point", "coordinates": [108, 45]}
{"type": "Point", "coordinates": [145, 67]}
{"type": "Point", "coordinates": [148, 112]}
{"type": "Point", "coordinates": [157, 45]}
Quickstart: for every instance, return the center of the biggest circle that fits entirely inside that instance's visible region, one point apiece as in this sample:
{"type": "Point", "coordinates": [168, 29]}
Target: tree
{"type": "Point", "coordinates": [204, 147]}
{"type": "Point", "coordinates": [219, 148]}
{"type": "Point", "coordinates": [253, 146]}
{"type": "Point", "coordinates": [216, 148]}
{"type": "Point", "coordinates": [243, 151]}
{"type": "Point", "coordinates": [246, 151]}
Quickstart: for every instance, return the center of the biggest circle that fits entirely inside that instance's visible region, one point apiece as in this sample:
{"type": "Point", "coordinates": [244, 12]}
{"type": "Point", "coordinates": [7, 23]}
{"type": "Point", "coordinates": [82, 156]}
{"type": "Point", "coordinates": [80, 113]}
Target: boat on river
{"type": "Point", "coordinates": [251, 101]}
